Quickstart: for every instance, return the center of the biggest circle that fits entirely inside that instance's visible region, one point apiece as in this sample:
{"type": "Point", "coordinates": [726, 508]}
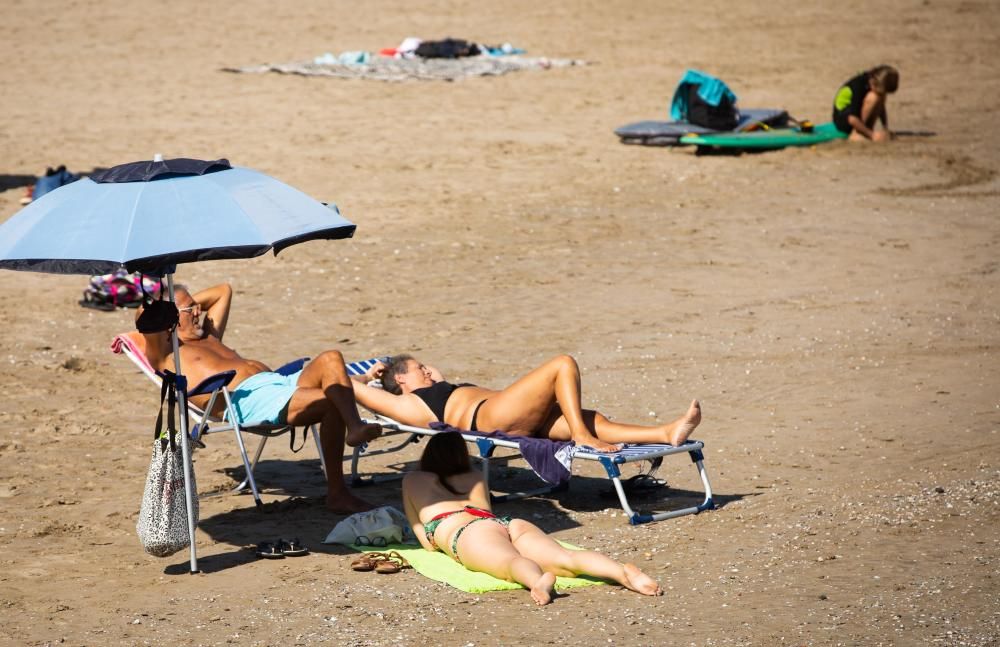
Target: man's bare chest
{"type": "Point", "coordinates": [208, 351]}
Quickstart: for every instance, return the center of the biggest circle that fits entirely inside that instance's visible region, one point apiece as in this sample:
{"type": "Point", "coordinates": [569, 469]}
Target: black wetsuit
{"type": "Point", "coordinates": [850, 97]}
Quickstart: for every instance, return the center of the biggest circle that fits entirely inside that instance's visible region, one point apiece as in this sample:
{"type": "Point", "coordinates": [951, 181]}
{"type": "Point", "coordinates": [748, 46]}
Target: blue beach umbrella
{"type": "Point", "coordinates": [150, 216]}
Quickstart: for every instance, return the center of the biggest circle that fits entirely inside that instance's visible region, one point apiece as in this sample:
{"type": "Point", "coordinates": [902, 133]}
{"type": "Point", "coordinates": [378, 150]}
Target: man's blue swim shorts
{"type": "Point", "coordinates": [263, 398]}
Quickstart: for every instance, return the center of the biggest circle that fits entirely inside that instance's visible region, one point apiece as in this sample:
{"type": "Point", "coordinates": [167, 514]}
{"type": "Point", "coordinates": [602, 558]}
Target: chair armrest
{"type": "Point", "coordinates": [292, 367]}
{"type": "Point", "coordinates": [212, 383]}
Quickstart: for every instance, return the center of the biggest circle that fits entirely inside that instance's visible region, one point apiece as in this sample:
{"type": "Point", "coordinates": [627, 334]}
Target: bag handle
{"type": "Point", "coordinates": [291, 439]}
{"type": "Point", "coordinates": [168, 392]}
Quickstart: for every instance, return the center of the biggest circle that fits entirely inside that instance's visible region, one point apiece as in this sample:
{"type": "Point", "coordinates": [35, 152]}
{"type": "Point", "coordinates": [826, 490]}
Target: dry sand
{"type": "Point", "coordinates": [835, 309]}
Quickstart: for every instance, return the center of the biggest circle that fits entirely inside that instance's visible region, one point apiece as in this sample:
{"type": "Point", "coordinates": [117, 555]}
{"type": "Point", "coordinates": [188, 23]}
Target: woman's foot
{"type": "Point", "coordinates": [597, 444]}
{"type": "Point", "coordinates": [543, 589]}
{"type": "Point", "coordinates": [679, 430]}
{"type": "Point", "coordinates": [362, 433]}
{"type": "Point", "coordinates": [639, 582]}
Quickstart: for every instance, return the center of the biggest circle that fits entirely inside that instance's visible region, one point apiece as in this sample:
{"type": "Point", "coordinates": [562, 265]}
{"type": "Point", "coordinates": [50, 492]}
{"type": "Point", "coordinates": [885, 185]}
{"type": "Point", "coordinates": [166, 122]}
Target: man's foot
{"type": "Point", "coordinates": [679, 430]}
{"type": "Point", "coordinates": [639, 582]}
{"type": "Point", "coordinates": [362, 433]}
{"type": "Point", "coordinates": [543, 589]}
{"type": "Point", "coordinates": [347, 503]}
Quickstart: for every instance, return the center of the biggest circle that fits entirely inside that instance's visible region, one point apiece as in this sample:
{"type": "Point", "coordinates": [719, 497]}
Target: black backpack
{"type": "Point", "coordinates": [447, 48]}
{"type": "Point", "coordinates": [724, 116]}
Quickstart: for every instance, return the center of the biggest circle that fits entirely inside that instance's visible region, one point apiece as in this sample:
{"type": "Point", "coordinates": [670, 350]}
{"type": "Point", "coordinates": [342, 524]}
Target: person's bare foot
{"type": "Point", "coordinates": [679, 430]}
{"type": "Point", "coordinates": [543, 589]}
{"type": "Point", "coordinates": [362, 433]}
{"type": "Point", "coordinates": [346, 503]}
{"type": "Point", "coordinates": [639, 582]}
{"type": "Point", "coordinates": [597, 444]}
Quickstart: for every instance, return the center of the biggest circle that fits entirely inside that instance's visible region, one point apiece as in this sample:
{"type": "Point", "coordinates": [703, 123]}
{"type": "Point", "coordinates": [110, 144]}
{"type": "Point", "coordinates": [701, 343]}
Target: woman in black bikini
{"type": "Point", "coordinates": [448, 505]}
{"type": "Point", "coordinates": [545, 403]}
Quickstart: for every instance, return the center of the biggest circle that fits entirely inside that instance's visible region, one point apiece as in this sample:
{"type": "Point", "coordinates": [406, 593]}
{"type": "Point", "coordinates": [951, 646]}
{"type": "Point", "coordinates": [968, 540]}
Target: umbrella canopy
{"type": "Point", "coordinates": [149, 216]}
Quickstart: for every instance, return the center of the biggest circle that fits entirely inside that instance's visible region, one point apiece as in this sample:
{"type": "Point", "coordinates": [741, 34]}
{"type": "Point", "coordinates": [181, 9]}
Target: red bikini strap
{"type": "Point", "coordinates": [479, 512]}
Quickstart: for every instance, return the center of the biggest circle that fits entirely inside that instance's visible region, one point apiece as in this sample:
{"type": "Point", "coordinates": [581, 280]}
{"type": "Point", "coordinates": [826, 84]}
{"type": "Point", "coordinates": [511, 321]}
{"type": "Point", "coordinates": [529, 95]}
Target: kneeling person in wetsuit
{"type": "Point", "coordinates": [448, 505]}
{"type": "Point", "coordinates": [861, 102]}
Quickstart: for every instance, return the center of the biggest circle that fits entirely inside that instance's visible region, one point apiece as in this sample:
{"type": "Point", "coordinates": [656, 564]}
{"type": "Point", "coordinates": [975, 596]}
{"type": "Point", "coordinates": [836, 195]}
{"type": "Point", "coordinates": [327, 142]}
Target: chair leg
{"type": "Point", "coordinates": [246, 464]}
{"type": "Point", "coordinates": [243, 451]}
{"type": "Point", "coordinates": [253, 464]}
{"type": "Point", "coordinates": [636, 518]}
{"type": "Point", "coordinates": [319, 447]}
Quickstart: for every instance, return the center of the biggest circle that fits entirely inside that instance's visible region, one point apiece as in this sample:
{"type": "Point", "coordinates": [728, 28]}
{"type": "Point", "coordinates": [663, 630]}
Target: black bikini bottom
{"type": "Point", "coordinates": [475, 414]}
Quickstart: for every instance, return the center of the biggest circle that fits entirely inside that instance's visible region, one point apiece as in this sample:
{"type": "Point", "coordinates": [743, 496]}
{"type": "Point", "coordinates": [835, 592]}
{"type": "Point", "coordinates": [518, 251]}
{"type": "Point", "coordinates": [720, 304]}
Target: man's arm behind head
{"type": "Point", "coordinates": [215, 302]}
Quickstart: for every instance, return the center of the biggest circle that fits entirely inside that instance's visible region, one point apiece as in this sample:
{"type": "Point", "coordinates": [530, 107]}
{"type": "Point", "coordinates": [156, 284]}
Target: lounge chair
{"type": "Point", "coordinates": [132, 346]}
{"type": "Point", "coordinates": [486, 447]}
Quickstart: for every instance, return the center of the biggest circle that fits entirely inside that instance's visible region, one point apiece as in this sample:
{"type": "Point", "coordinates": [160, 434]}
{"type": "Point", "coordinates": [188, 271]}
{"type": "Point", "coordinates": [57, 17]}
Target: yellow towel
{"type": "Point", "coordinates": [440, 567]}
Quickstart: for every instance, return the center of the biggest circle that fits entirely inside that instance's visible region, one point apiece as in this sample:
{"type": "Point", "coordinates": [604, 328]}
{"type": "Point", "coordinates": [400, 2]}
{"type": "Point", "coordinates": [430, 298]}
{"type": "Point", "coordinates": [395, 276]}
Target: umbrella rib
{"type": "Point", "coordinates": [132, 218]}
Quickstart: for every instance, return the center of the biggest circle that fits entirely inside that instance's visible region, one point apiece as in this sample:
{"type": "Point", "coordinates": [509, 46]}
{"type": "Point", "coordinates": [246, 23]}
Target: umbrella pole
{"type": "Point", "coordinates": [185, 445]}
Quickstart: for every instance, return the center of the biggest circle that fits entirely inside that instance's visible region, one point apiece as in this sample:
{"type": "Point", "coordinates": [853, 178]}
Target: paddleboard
{"type": "Point", "coordinates": [765, 139]}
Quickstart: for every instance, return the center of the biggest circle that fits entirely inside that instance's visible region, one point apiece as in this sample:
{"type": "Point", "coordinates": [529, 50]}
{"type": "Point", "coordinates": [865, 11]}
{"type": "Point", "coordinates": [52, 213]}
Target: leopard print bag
{"type": "Point", "coordinates": [163, 522]}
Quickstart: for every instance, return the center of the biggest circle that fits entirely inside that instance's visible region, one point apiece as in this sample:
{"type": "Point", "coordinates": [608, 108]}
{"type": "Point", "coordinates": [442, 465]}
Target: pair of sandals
{"type": "Point", "coordinates": [384, 563]}
{"type": "Point", "coordinates": [281, 549]}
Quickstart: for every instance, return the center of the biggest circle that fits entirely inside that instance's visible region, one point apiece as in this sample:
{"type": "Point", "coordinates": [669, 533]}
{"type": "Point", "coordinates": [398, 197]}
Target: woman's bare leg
{"type": "Point", "coordinates": [486, 547]}
{"type": "Point", "coordinates": [872, 108]}
{"type": "Point", "coordinates": [531, 542]}
{"type": "Point", "coordinates": [674, 433]}
{"type": "Point", "coordinates": [525, 406]}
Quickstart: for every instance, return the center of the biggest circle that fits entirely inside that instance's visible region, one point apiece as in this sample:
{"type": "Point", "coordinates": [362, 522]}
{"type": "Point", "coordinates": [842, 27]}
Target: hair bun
{"type": "Point", "coordinates": [158, 316]}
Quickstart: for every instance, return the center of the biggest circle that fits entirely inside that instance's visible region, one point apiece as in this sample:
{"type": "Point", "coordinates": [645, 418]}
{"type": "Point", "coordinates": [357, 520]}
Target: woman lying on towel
{"type": "Point", "coordinates": [544, 403]}
{"type": "Point", "coordinates": [446, 501]}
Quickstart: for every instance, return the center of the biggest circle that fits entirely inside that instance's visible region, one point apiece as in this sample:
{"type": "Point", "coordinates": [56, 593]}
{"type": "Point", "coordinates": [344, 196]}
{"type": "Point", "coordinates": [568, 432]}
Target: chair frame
{"type": "Point", "coordinates": [486, 448]}
{"type": "Point", "coordinates": [206, 424]}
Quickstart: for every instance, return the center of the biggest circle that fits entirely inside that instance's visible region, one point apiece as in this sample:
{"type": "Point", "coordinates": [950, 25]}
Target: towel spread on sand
{"type": "Point", "coordinates": [382, 68]}
{"type": "Point", "coordinates": [440, 567]}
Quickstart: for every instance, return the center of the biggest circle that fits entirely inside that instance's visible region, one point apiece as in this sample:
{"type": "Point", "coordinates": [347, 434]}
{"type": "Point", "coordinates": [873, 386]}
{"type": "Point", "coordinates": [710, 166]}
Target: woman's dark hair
{"type": "Point", "coordinates": [446, 455]}
{"type": "Point", "coordinates": [394, 366]}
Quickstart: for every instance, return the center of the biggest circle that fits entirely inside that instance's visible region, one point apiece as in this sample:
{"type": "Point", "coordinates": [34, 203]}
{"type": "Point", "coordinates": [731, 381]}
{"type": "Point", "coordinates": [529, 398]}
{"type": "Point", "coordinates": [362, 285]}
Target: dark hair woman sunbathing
{"type": "Point", "coordinates": [448, 505]}
{"type": "Point", "coordinates": [544, 403]}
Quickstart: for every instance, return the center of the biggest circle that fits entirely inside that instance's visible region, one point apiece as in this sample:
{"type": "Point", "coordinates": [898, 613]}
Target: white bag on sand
{"type": "Point", "coordinates": [374, 526]}
{"type": "Point", "coordinates": [163, 523]}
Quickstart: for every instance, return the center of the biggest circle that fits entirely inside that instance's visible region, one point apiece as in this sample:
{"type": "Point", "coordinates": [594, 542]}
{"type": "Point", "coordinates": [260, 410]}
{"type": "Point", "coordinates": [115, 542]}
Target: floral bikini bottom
{"type": "Point", "coordinates": [478, 513]}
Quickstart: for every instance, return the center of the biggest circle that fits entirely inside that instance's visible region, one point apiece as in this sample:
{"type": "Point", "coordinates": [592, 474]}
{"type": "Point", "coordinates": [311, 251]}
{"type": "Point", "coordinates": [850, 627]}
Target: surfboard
{"type": "Point", "coordinates": [765, 139]}
{"type": "Point", "coordinates": [668, 133]}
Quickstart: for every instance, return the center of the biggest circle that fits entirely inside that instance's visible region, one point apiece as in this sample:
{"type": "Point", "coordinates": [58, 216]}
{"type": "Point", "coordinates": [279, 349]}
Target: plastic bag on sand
{"type": "Point", "coordinates": [386, 523]}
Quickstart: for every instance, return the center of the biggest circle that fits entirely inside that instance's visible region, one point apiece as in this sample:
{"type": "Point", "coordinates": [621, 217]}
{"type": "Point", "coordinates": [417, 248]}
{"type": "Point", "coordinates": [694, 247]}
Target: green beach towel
{"type": "Point", "coordinates": [440, 567]}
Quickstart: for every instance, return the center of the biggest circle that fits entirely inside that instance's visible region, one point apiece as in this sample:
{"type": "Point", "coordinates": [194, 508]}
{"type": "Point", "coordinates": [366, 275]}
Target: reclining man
{"type": "Point", "coordinates": [320, 393]}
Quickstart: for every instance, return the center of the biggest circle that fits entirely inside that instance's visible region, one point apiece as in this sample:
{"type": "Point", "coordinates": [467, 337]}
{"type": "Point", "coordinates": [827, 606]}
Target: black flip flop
{"type": "Point", "coordinates": [267, 550]}
{"type": "Point", "coordinates": [105, 306]}
{"type": "Point", "coordinates": [292, 548]}
{"type": "Point", "coordinates": [639, 485]}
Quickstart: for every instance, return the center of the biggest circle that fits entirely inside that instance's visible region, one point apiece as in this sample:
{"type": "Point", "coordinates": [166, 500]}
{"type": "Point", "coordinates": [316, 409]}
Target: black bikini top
{"type": "Point", "coordinates": [436, 396]}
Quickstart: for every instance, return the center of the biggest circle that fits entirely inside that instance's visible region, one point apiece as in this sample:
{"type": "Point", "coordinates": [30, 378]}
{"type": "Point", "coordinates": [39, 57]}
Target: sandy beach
{"type": "Point", "coordinates": [835, 309]}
